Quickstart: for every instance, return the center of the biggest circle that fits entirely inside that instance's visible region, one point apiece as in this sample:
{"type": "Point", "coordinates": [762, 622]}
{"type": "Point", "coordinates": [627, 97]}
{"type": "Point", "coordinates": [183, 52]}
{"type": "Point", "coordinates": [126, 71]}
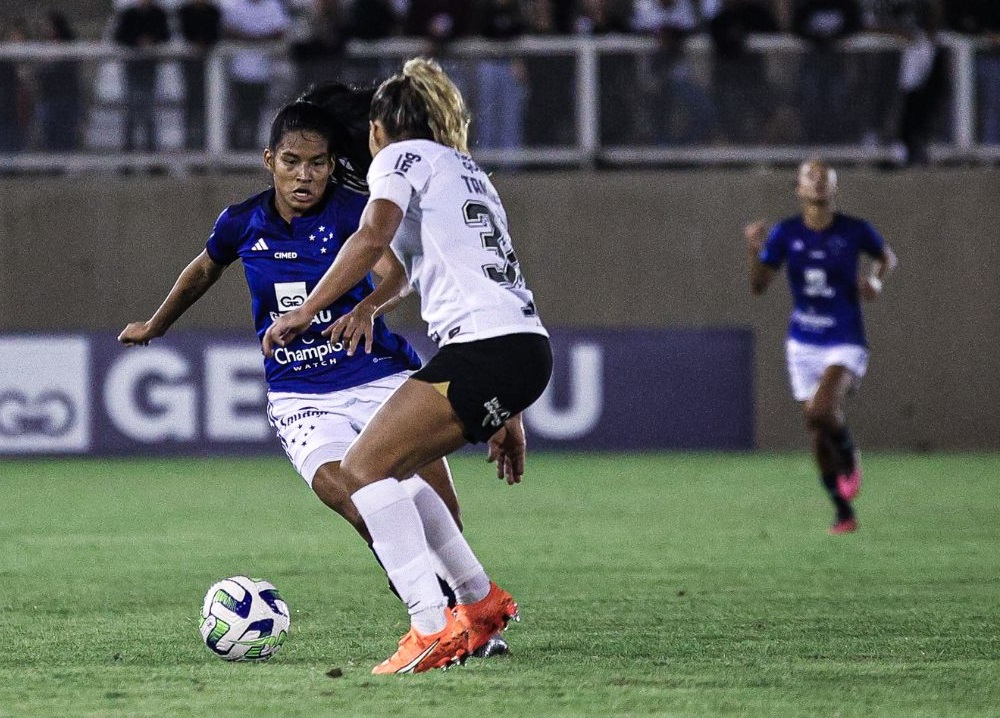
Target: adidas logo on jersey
{"type": "Point", "coordinates": [260, 245]}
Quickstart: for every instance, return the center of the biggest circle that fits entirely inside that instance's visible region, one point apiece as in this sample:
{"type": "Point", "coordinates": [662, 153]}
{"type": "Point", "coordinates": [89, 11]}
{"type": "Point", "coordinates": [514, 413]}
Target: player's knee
{"type": "Point", "coordinates": [330, 487]}
{"type": "Point", "coordinates": [357, 472]}
{"type": "Point", "coordinates": [820, 417]}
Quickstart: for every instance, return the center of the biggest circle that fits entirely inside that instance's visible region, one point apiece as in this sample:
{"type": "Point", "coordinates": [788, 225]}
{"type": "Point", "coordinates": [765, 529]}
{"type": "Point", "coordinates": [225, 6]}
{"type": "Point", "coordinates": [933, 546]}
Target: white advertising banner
{"type": "Point", "coordinates": [45, 395]}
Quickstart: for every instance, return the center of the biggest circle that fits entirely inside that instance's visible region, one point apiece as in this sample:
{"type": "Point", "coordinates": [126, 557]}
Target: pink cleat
{"type": "Point", "coordinates": [845, 526]}
{"type": "Point", "coordinates": [849, 485]}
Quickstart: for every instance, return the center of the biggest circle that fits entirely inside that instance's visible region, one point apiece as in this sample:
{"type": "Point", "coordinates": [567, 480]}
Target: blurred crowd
{"type": "Point", "coordinates": [666, 98]}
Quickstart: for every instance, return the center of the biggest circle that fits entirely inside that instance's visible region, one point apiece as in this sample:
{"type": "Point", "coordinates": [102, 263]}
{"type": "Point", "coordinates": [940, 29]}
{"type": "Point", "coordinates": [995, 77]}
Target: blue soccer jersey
{"type": "Point", "coordinates": [822, 269]}
{"type": "Point", "coordinates": [282, 263]}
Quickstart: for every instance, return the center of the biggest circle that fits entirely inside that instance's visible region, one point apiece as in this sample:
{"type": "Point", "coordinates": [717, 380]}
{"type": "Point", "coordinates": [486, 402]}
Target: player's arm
{"type": "Point", "coordinates": [191, 284]}
{"type": "Point", "coordinates": [357, 258]}
{"type": "Point", "coordinates": [760, 274]}
{"type": "Point", "coordinates": [392, 285]}
{"type": "Point", "coordinates": [870, 284]}
{"type": "Point", "coordinates": [358, 325]}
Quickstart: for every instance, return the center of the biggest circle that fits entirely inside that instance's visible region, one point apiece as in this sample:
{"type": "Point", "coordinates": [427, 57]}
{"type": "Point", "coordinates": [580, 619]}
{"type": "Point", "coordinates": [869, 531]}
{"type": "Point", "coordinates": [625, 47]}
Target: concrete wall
{"type": "Point", "coordinates": [635, 249]}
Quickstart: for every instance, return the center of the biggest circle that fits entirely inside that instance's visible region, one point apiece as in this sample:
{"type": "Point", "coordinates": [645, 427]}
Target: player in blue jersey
{"type": "Point", "coordinates": [434, 209]}
{"type": "Point", "coordinates": [826, 349]}
{"type": "Point", "coordinates": [320, 394]}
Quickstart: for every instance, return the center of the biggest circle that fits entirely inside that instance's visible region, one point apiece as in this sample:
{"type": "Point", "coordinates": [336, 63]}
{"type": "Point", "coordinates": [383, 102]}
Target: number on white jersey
{"type": "Point", "coordinates": [507, 270]}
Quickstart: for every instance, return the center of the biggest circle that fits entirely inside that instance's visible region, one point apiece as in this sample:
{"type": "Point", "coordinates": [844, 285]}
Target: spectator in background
{"type": "Point", "coordinates": [877, 71]}
{"type": "Point", "coordinates": [319, 49]}
{"type": "Point", "coordinates": [981, 19]}
{"type": "Point", "coordinates": [58, 81]}
{"type": "Point", "coordinates": [200, 23]}
{"type": "Point", "coordinates": [923, 79]}
{"type": "Point", "coordinates": [15, 99]}
{"type": "Point", "coordinates": [617, 70]}
{"type": "Point", "coordinates": [742, 94]}
{"type": "Point", "coordinates": [373, 19]}
{"type": "Point", "coordinates": [549, 105]}
{"type": "Point", "coordinates": [141, 27]}
{"type": "Point", "coordinates": [440, 21]}
{"type": "Point", "coordinates": [564, 15]}
{"type": "Point", "coordinates": [824, 89]}
{"type": "Point", "coordinates": [600, 17]}
{"type": "Point", "coordinates": [255, 23]}
{"type": "Point", "coordinates": [501, 81]}
{"type": "Point", "coordinates": [680, 109]}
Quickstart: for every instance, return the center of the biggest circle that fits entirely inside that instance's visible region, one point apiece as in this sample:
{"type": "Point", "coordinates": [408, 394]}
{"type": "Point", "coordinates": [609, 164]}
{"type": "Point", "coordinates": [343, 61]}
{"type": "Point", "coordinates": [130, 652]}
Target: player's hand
{"type": "Point", "coordinates": [284, 329]}
{"type": "Point", "coordinates": [507, 448]}
{"type": "Point", "coordinates": [353, 328]}
{"type": "Point", "coordinates": [755, 234]}
{"type": "Point", "coordinates": [137, 334]}
{"type": "Point", "coordinates": [869, 288]}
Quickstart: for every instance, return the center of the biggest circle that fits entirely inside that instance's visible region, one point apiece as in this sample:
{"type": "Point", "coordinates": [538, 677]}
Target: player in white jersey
{"type": "Point", "coordinates": [317, 401]}
{"type": "Point", "coordinates": [433, 210]}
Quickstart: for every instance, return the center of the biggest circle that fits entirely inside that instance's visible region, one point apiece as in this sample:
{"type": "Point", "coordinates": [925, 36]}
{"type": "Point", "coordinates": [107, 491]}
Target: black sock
{"type": "Point", "coordinates": [445, 588]}
{"type": "Point", "coordinates": [843, 443]}
{"type": "Point", "coordinates": [844, 509]}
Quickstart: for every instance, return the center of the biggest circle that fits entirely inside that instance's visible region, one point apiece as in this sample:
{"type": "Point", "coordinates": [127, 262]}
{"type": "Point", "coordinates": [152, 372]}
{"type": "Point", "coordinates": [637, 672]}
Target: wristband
{"type": "Point", "coordinates": [875, 283]}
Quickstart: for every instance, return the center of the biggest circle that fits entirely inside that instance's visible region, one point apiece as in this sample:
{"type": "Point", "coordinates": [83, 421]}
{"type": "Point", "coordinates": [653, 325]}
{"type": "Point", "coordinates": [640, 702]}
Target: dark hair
{"type": "Point", "coordinates": [347, 109]}
{"type": "Point", "coordinates": [301, 116]}
{"type": "Point", "coordinates": [402, 110]}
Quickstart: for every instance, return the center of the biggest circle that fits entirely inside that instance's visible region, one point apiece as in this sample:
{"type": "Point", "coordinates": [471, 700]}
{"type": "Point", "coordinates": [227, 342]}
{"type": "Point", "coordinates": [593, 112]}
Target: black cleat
{"type": "Point", "coordinates": [495, 646]}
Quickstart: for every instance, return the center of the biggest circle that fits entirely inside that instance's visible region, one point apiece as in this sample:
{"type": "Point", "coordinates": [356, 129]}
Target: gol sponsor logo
{"type": "Point", "coordinates": [49, 414]}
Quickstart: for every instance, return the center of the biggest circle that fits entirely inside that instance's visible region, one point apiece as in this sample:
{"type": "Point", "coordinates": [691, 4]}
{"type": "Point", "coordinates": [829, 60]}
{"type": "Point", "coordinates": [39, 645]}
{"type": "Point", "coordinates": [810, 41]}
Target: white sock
{"type": "Point", "coordinates": [398, 541]}
{"type": "Point", "coordinates": [453, 558]}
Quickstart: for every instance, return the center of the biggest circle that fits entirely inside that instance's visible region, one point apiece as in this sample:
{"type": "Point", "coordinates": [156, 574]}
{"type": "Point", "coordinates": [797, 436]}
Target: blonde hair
{"type": "Point", "coordinates": [423, 102]}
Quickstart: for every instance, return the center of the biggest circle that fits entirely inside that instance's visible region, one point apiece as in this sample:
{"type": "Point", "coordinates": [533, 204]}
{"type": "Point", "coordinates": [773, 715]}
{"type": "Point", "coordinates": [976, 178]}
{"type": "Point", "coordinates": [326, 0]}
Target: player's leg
{"type": "Point", "coordinates": [438, 476]}
{"type": "Point", "coordinates": [484, 607]}
{"type": "Point", "coordinates": [484, 382]}
{"type": "Point", "coordinates": [441, 516]}
{"type": "Point", "coordinates": [338, 428]}
{"type": "Point", "coordinates": [316, 432]}
{"type": "Point", "coordinates": [414, 427]}
{"type": "Point", "coordinates": [832, 444]}
{"type": "Point", "coordinates": [329, 485]}
{"type": "Point", "coordinates": [463, 394]}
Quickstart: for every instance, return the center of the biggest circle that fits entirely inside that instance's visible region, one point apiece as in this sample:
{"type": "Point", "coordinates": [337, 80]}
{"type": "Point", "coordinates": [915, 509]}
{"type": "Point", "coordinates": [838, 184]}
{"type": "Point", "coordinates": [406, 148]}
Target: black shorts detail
{"type": "Point", "coordinates": [491, 380]}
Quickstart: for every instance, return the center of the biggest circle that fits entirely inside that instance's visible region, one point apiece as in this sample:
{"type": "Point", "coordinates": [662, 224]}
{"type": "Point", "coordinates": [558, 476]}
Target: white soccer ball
{"type": "Point", "coordinates": [244, 619]}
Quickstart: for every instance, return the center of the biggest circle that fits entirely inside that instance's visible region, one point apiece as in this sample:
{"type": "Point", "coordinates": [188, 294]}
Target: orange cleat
{"type": "Point", "coordinates": [844, 526]}
{"type": "Point", "coordinates": [418, 652]}
{"type": "Point", "coordinates": [484, 619]}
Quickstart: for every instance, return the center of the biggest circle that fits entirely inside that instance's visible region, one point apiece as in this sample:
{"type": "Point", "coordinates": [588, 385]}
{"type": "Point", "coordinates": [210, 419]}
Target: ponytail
{"type": "Point", "coordinates": [348, 109]}
{"type": "Point", "coordinates": [422, 102]}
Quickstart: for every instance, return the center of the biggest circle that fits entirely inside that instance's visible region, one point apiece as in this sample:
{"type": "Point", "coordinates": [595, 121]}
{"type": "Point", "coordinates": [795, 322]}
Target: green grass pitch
{"type": "Point", "coordinates": [675, 584]}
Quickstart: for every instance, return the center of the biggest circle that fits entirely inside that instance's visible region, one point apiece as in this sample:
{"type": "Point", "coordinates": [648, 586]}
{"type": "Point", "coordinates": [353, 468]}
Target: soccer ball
{"type": "Point", "coordinates": [244, 619]}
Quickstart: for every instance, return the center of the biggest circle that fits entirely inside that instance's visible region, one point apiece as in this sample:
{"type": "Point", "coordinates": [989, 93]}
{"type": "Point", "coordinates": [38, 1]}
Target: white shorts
{"type": "Point", "coordinates": [318, 428]}
{"type": "Point", "coordinates": [807, 362]}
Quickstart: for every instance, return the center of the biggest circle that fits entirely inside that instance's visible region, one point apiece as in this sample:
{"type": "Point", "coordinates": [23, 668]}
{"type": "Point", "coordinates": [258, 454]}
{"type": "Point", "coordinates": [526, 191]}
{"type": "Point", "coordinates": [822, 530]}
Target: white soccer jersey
{"type": "Point", "coordinates": [454, 243]}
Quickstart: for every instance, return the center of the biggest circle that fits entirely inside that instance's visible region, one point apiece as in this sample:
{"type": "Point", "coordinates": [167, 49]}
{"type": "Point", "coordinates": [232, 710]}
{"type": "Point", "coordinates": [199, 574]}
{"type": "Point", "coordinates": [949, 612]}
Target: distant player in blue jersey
{"type": "Point", "coordinates": [320, 394]}
{"type": "Point", "coordinates": [826, 349]}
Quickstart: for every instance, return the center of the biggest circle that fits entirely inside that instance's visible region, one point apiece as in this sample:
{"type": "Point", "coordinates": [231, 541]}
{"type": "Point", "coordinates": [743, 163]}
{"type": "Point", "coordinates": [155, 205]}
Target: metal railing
{"type": "Point", "coordinates": [574, 101]}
